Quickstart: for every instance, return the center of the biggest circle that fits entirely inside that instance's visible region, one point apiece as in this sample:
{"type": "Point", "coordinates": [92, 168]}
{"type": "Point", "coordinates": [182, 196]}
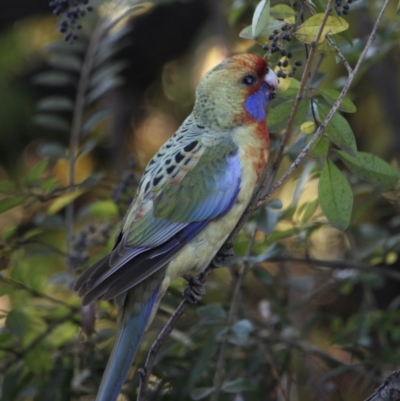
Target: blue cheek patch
{"type": "Point", "coordinates": [255, 104]}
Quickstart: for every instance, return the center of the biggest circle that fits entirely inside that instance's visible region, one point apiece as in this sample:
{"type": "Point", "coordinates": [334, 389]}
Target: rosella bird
{"type": "Point", "coordinates": [191, 196]}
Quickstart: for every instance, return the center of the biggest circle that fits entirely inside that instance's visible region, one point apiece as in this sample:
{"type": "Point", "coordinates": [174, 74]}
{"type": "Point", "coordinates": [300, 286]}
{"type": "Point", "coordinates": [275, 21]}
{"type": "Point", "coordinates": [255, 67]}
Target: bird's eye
{"type": "Point", "coordinates": [249, 80]}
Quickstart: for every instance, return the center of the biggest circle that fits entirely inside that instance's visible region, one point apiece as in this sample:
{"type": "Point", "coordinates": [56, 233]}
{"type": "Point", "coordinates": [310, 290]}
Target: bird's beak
{"type": "Point", "coordinates": [272, 81]}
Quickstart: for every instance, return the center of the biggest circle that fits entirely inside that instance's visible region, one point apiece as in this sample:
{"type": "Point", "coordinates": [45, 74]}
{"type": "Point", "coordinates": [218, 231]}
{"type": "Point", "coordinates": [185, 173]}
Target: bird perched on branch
{"type": "Point", "coordinates": [191, 196]}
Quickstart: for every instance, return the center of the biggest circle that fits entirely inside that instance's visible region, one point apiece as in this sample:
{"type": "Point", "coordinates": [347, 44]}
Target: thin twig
{"type": "Point", "coordinates": [218, 377]}
{"type": "Point", "coordinates": [339, 264]}
{"type": "Point", "coordinates": [77, 120]}
{"type": "Point", "coordinates": [339, 54]}
{"type": "Point", "coordinates": [288, 130]}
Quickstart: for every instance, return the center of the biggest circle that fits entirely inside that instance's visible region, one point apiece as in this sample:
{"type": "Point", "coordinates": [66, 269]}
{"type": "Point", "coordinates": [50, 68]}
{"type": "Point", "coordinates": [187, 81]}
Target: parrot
{"type": "Point", "coordinates": [189, 199]}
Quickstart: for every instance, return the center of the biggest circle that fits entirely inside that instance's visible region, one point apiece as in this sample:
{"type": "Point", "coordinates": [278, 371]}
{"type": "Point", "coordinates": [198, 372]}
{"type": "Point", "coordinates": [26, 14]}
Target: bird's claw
{"type": "Point", "coordinates": [223, 257]}
{"type": "Point", "coordinates": [194, 291]}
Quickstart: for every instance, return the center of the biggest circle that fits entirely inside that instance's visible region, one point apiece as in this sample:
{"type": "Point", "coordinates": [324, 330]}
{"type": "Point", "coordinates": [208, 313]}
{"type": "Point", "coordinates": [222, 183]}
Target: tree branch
{"type": "Point", "coordinates": [389, 390]}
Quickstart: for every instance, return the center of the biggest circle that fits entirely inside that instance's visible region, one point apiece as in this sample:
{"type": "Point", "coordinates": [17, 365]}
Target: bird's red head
{"type": "Point", "coordinates": [241, 86]}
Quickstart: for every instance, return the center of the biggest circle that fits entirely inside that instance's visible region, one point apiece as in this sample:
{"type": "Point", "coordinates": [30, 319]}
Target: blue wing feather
{"type": "Point", "coordinates": [151, 241]}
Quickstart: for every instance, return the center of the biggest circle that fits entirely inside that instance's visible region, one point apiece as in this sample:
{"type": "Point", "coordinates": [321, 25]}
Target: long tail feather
{"type": "Point", "coordinates": [124, 351]}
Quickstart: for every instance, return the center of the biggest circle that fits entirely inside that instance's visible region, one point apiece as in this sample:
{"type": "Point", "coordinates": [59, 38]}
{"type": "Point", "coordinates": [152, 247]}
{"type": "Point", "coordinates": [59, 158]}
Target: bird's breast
{"type": "Point", "coordinates": [195, 257]}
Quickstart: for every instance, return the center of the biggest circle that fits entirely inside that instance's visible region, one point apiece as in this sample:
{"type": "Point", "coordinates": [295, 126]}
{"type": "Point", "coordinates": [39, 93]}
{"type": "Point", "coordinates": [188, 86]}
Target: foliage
{"type": "Point", "coordinates": [307, 309]}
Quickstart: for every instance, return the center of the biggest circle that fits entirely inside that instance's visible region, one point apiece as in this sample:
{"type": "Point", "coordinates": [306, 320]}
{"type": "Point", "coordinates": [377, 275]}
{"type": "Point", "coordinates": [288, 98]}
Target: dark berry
{"type": "Point", "coordinates": [313, 45]}
{"type": "Point", "coordinates": [271, 37]}
{"type": "Point", "coordinates": [298, 63]}
{"type": "Point", "coordinates": [283, 53]}
{"type": "Point", "coordinates": [284, 28]}
{"type": "Point", "coordinates": [285, 63]}
{"type": "Point", "coordinates": [265, 47]}
{"type": "Point", "coordinates": [275, 31]}
{"type": "Point", "coordinates": [345, 12]}
{"type": "Point", "coordinates": [289, 55]}
{"type": "Point", "coordinates": [279, 64]}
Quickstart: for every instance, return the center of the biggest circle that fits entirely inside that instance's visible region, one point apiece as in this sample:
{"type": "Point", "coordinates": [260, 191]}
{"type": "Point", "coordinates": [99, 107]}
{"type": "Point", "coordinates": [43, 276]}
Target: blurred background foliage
{"type": "Point", "coordinates": [303, 312]}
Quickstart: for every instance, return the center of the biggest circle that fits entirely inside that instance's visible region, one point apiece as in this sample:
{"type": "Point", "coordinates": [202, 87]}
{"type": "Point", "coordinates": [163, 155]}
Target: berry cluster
{"type": "Point", "coordinates": [342, 6]}
{"type": "Point", "coordinates": [72, 10]}
{"type": "Point", "coordinates": [88, 238]}
{"type": "Point", "coordinates": [277, 38]}
{"type": "Point", "coordinates": [123, 193]}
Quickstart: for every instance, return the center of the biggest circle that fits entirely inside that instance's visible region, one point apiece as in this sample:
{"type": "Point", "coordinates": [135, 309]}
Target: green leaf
{"type": "Point", "coordinates": [307, 31]}
{"type": "Point", "coordinates": [51, 121]}
{"type": "Point", "coordinates": [63, 201]}
{"type": "Point", "coordinates": [53, 78]}
{"type": "Point", "coordinates": [64, 47]}
{"type": "Point", "coordinates": [17, 323]}
{"type": "Point", "coordinates": [263, 275]}
{"type": "Point", "coordinates": [282, 11]}
{"type": "Point", "coordinates": [9, 203]}
{"type": "Point", "coordinates": [278, 117]}
{"type": "Point", "coordinates": [335, 196]}
{"type": "Point", "coordinates": [267, 220]}
{"type": "Point", "coordinates": [371, 168]}
{"type": "Point", "coordinates": [200, 364]}
{"type": "Point", "coordinates": [272, 251]}
{"type": "Point", "coordinates": [238, 385]}
{"type": "Point", "coordinates": [331, 95]}
{"type": "Point", "coordinates": [260, 18]}
{"type": "Point", "coordinates": [56, 103]}
{"type": "Point", "coordinates": [320, 147]}
{"type": "Point", "coordinates": [37, 172]}
{"type": "Point", "coordinates": [211, 314]}
{"type": "Point", "coordinates": [104, 209]}
{"type": "Point", "coordinates": [236, 12]}
{"type": "Point", "coordinates": [301, 283]}
{"type": "Point", "coordinates": [240, 332]}
{"type": "Point", "coordinates": [247, 33]}
{"type": "Point", "coordinates": [9, 232]}
{"type": "Point", "coordinates": [39, 359]}
{"type": "Point", "coordinates": [339, 131]}
{"type": "Point", "coordinates": [103, 87]}
{"type": "Point", "coordinates": [7, 186]}
{"type": "Point", "coordinates": [106, 71]}
{"type": "Point", "coordinates": [201, 392]}
{"type": "Point", "coordinates": [52, 150]}
{"type": "Point", "coordinates": [62, 333]}
{"type": "Point", "coordinates": [65, 62]}
{"type": "Point", "coordinates": [94, 118]}
{"type": "Point", "coordinates": [273, 23]}
{"type": "Point", "coordinates": [309, 210]}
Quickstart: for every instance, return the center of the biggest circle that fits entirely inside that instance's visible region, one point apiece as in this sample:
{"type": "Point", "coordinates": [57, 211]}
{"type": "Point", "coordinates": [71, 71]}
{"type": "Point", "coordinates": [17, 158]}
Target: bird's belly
{"type": "Point", "coordinates": [197, 255]}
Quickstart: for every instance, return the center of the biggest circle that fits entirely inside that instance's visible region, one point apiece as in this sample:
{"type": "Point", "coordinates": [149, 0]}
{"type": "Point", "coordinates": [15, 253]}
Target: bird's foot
{"type": "Point", "coordinates": [224, 256]}
{"type": "Point", "coordinates": [194, 291]}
